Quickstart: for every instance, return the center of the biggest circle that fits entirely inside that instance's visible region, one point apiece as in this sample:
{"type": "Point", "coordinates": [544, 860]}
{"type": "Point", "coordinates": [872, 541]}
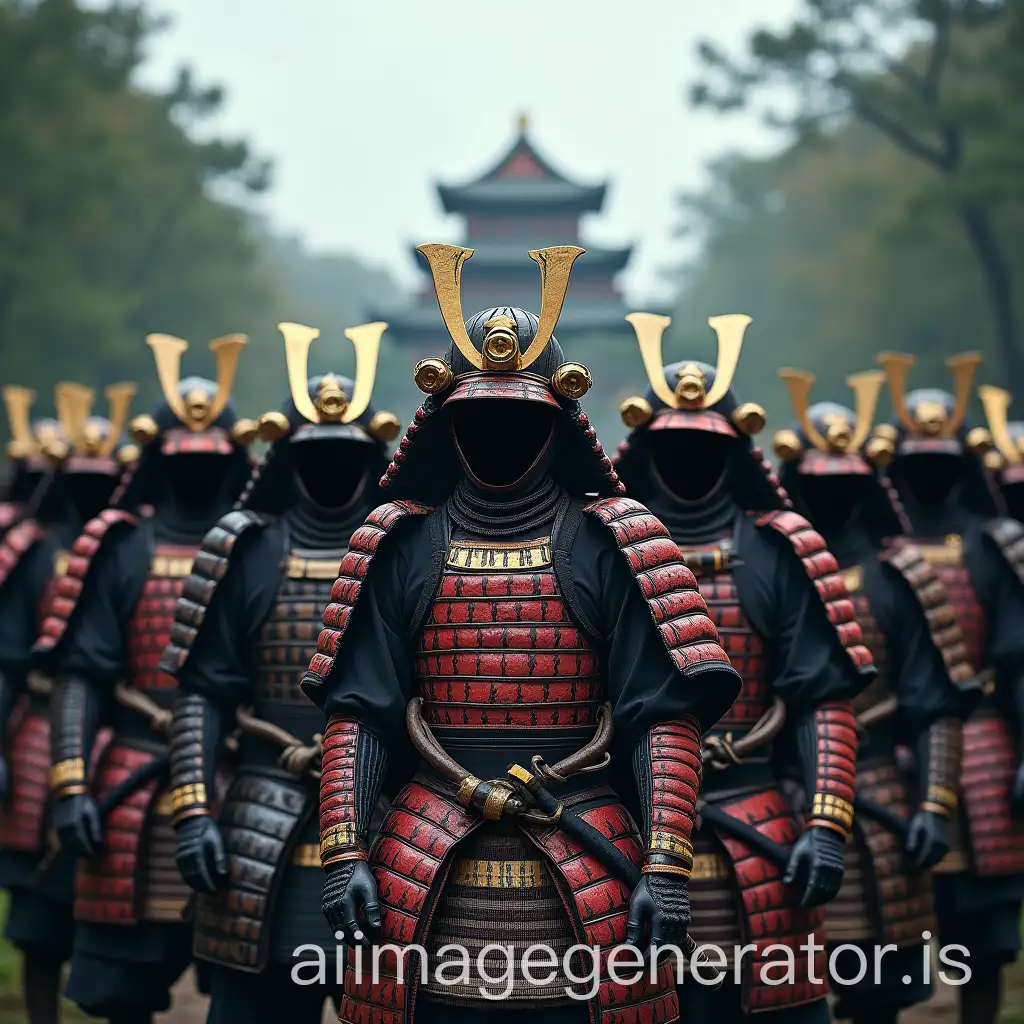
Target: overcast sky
{"type": "Point", "coordinates": [363, 105]}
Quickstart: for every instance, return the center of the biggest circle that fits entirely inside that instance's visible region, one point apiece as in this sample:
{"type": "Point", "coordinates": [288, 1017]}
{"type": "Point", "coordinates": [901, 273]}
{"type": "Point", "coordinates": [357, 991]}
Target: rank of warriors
{"type": "Point", "coordinates": [452, 714]}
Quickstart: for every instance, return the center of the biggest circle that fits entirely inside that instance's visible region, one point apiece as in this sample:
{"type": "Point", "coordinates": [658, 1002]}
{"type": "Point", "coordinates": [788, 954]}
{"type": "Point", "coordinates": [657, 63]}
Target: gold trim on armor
{"type": "Point", "coordinates": [940, 809]}
{"type": "Point", "coordinates": [693, 559]}
{"type": "Point", "coordinates": [825, 805]}
{"type": "Point", "coordinates": [170, 566]}
{"type": "Point", "coordinates": [306, 855]}
{"type": "Point", "coordinates": [668, 842]}
{"type": "Point", "coordinates": [302, 568]}
{"type": "Point", "coordinates": [340, 835]}
{"type": "Point", "coordinates": [164, 806]}
{"type": "Point", "coordinates": [947, 798]}
{"type": "Point", "coordinates": [466, 790]}
{"type": "Point", "coordinates": [60, 563]}
{"type": "Point", "coordinates": [163, 910]}
{"type": "Point", "coordinates": [667, 869]}
{"type": "Point", "coordinates": [190, 795]}
{"type": "Point", "coordinates": [69, 772]}
{"type": "Point", "coordinates": [853, 578]}
{"type": "Point", "coordinates": [948, 553]}
{"type": "Point", "coordinates": [499, 556]}
{"type": "Point", "coordinates": [500, 874]}
{"type": "Point", "coordinates": [708, 866]}
{"type": "Point", "coordinates": [494, 802]}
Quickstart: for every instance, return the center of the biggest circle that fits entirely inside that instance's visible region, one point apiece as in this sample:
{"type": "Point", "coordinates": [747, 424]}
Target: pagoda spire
{"type": "Point", "coordinates": [522, 202]}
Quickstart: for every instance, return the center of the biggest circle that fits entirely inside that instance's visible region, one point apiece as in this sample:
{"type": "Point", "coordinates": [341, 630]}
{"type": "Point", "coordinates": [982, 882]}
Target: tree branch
{"type": "Point", "coordinates": [941, 159]}
{"type": "Point", "coordinates": [939, 57]}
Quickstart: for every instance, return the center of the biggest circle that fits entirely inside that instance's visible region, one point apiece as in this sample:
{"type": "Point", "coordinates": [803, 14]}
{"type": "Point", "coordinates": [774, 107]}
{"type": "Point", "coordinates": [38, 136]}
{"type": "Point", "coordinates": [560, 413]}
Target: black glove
{"type": "Point", "coordinates": [1018, 790]}
{"type": "Point", "coordinates": [659, 912]}
{"type": "Point", "coordinates": [200, 856]}
{"type": "Point", "coordinates": [816, 865]}
{"type": "Point", "coordinates": [349, 889]}
{"type": "Point", "coordinates": [77, 821]}
{"type": "Point", "coordinates": [927, 840]}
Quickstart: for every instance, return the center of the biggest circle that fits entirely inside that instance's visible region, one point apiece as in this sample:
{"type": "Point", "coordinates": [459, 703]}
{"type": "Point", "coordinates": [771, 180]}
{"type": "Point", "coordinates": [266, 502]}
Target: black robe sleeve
{"type": "Point", "coordinates": [371, 677]}
{"type": "Point", "coordinates": [21, 598]}
{"type": "Point", "coordinates": [218, 667]}
{"type": "Point", "coordinates": [94, 646]}
{"type": "Point", "coordinates": [917, 672]}
{"type": "Point", "coordinates": [644, 684]}
{"type": "Point", "coordinates": [807, 661]}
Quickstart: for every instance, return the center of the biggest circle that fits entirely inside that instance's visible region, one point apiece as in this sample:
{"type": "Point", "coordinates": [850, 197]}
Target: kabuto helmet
{"type": "Point", "coordinates": [194, 440]}
{"type": "Point", "coordinates": [695, 397]}
{"type": "Point", "coordinates": [1005, 458]}
{"type": "Point", "coordinates": [933, 452]}
{"type": "Point", "coordinates": [829, 457]}
{"type": "Point", "coordinates": [37, 446]}
{"type": "Point", "coordinates": [97, 457]}
{"type": "Point", "coordinates": [503, 397]}
{"type": "Point", "coordinates": [328, 409]}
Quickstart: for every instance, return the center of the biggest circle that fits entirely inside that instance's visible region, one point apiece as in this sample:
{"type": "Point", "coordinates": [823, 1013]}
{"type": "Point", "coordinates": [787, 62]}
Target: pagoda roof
{"type": "Point", "coordinates": [521, 177]}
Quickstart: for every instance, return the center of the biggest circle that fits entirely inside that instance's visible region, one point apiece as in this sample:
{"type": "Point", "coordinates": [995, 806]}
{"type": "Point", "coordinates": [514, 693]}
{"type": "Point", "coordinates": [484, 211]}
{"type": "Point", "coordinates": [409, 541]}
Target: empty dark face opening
{"type": "Point", "coordinates": [332, 473]}
{"type": "Point", "coordinates": [833, 502]}
{"type": "Point", "coordinates": [930, 478]}
{"type": "Point", "coordinates": [195, 481]}
{"type": "Point", "coordinates": [690, 463]}
{"type": "Point", "coordinates": [501, 442]}
{"type": "Point", "coordinates": [89, 493]}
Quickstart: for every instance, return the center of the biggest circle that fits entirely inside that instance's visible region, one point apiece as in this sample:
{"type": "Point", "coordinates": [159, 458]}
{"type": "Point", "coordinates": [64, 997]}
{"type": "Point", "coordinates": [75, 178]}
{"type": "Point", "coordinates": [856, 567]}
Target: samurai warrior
{"type": "Point", "coordinates": [938, 474]}
{"type": "Point", "coordinates": [65, 472]}
{"type": "Point", "coordinates": [923, 690]}
{"type": "Point", "coordinates": [761, 872]}
{"type": "Point", "coordinates": [102, 641]}
{"type": "Point", "coordinates": [495, 631]}
{"type": "Point", "coordinates": [1006, 458]}
{"type": "Point", "coordinates": [245, 630]}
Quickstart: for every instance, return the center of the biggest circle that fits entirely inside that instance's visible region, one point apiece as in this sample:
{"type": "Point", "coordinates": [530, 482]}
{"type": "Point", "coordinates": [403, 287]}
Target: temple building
{"type": "Point", "coordinates": [520, 203]}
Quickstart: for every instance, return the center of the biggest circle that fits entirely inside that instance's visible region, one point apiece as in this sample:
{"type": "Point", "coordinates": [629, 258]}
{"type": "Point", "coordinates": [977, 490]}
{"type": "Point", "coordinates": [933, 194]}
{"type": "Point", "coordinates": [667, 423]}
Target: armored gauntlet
{"type": "Point", "coordinates": [667, 766]}
{"type": "Point", "coordinates": [195, 736]}
{"type": "Point", "coordinates": [353, 769]}
{"type": "Point", "coordinates": [75, 718]}
{"type": "Point", "coordinates": [827, 747]}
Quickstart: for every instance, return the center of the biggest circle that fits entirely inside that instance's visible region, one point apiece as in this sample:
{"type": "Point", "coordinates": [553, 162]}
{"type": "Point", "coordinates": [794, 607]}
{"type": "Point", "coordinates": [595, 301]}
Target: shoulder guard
{"type": "Point", "coordinates": [1009, 537]}
{"type": "Point", "coordinates": [668, 587]}
{"type": "Point", "coordinates": [355, 565]}
{"type": "Point", "coordinates": [17, 543]}
{"type": "Point", "coordinates": [97, 532]}
{"type": "Point", "coordinates": [208, 569]}
{"type": "Point", "coordinates": [931, 595]}
{"type": "Point", "coordinates": [823, 571]}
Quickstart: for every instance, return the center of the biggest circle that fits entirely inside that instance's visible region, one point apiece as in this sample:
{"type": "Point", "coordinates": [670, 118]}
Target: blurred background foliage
{"type": "Point", "coordinates": [116, 220]}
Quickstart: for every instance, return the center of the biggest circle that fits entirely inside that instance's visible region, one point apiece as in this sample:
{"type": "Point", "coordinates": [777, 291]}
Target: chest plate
{"type": "Point", "coordinates": [287, 639]}
{"type": "Point", "coordinates": [711, 564]}
{"type": "Point", "coordinates": [947, 560]}
{"type": "Point", "coordinates": [150, 627]}
{"type": "Point", "coordinates": [498, 648]}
